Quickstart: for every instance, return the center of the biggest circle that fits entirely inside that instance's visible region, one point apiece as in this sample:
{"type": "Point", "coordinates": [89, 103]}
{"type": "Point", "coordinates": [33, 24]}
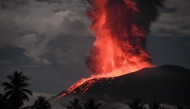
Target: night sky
{"type": "Point", "coordinates": [49, 40]}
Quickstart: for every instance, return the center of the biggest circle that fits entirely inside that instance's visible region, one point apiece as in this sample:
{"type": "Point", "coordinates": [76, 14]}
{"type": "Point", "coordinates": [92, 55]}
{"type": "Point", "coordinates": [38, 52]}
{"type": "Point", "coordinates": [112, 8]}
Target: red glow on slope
{"type": "Point", "coordinates": [120, 47]}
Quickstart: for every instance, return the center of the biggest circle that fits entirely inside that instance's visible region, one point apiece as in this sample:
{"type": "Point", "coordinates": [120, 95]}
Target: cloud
{"type": "Point", "coordinates": [4, 62]}
{"type": "Point", "coordinates": [173, 20]}
{"type": "Point", "coordinates": [33, 25]}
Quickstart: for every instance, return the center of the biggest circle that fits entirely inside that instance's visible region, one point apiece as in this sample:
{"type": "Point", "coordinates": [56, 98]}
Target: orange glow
{"type": "Point", "coordinates": [120, 43]}
{"type": "Point", "coordinates": [120, 46]}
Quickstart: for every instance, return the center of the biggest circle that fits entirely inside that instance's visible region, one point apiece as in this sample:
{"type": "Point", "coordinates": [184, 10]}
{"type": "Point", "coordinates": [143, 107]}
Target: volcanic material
{"type": "Point", "coordinates": [165, 84]}
{"type": "Point", "coordinates": [120, 27]}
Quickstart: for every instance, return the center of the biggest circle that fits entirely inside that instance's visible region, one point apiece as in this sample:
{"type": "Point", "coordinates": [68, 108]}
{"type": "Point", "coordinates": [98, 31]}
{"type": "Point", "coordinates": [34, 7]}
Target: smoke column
{"type": "Point", "coordinates": [120, 27]}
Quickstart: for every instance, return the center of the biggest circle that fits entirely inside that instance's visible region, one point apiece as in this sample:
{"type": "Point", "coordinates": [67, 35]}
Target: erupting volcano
{"type": "Point", "coordinates": [120, 27]}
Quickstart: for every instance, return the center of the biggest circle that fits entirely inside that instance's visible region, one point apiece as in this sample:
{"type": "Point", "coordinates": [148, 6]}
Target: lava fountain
{"type": "Point", "coordinates": [120, 27]}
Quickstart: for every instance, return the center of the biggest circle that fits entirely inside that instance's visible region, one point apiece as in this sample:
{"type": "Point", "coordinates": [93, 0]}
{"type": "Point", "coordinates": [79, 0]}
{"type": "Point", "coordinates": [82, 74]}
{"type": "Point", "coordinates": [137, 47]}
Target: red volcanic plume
{"type": "Point", "coordinates": [121, 27]}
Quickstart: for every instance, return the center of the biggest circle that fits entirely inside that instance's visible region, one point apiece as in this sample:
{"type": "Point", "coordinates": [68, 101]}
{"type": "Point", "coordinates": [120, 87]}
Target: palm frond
{"type": "Point", "coordinates": [24, 96]}
{"type": "Point", "coordinates": [27, 91]}
{"type": "Point", "coordinates": [135, 103]}
{"type": "Point", "coordinates": [8, 93]}
{"type": "Point", "coordinates": [42, 103]}
{"type": "Point", "coordinates": [25, 78]}
{"type": "Point", "coordinates": [7, 86]}
{"type": "Point", "coordinates": [22, 85]}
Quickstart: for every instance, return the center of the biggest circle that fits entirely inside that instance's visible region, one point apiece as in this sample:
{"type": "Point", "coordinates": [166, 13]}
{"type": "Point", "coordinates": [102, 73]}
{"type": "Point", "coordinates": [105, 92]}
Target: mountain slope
{"type": "Point", "coordinates": [166, 84]}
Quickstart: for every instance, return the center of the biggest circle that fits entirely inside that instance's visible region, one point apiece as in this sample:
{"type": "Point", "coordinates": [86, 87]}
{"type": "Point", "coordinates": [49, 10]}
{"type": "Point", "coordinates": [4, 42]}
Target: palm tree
{"type": "Point", "coordinates": [16, 91]}
{"type": "Point", "coordinates": [41, 103]}
{"type": "Point", "coordinates": [154, 105]}
{"type": "Point", "coordinates": [75, 104]}
{"type": "Point", "coordinates": [90, 104]}
{"type": "Point", "coordinates": [135, 103]}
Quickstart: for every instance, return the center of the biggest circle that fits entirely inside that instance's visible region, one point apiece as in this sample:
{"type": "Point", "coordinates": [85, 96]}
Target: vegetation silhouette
{"type": "Point", "coordinates": [15, 90]}
{"type": "Point", "coordinates": [75, 104]}
{"type": "Point", "coordinates": [135, 103]}
{"type": "Point", "coordinates": [154, 105]}
{"type": "Point", "coordinates": [16, 93]}
{"type": "Point", "coordinates": [3, 102]}
{"type": "Point", "coordinates": [90, 104]}
{"type": "Point", "coordinates": [182, 107]}
{"type": "Point", "coordinates": [164, 107]}
{"type": "Point", "coordinates": [41, 103]}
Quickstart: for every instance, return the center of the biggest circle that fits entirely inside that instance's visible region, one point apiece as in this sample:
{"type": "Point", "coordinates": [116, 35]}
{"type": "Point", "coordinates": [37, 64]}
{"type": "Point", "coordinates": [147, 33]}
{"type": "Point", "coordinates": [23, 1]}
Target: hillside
{"type": "Point", "coordinates": [166, 84]}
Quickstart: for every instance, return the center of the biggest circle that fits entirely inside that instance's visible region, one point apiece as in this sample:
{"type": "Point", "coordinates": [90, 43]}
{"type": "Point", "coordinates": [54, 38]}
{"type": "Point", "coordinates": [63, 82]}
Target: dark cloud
{"type": "Point", "coordinates": [46, 40]}
{"type": "Point", "coordinates": [174, 19]}
{"type": "Point", "coordinates": [32, 27]}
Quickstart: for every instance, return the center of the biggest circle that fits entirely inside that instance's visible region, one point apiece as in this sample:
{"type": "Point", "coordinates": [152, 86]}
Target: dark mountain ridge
{"type": "Point", "coordinates": [166, 84]}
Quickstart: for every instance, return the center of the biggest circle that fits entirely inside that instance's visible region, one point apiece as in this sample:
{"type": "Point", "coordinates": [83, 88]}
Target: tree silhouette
{"type": "Point", "coordinates": [90, 104]}
{"type": "Point", "coordinates": [41, 103]}
{"type": "Point", "coordinates": [3, 102]}
{"type": "Point", "coordinates": [180, 107]}
{"type": "Point", "coordinates": [15, 90]}
{"type": "Point", "coordinates": [75, 104]}
{"type": "Point", "coordinates": [154, 105]}
{"type": "Point", "coordinates": [135, 103]}
{"type": "Point", "coordinates": [164, 107]}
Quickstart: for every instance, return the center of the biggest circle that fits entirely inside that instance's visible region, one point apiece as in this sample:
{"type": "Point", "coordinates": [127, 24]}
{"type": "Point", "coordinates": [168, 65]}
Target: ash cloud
{"type": "Point", "coordinates": [32, 25]}
{"type": "Point", "coordinates": [173, 20]}
{"type": "Point", "coordinates": [125, 23]}
{"type": "Point", "coordinates": [47, 41]}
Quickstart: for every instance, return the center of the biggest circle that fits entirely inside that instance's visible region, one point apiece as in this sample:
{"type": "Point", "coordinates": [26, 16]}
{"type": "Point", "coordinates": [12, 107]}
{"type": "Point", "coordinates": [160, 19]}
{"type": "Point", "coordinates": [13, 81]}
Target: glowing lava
{"type": "Point", "coordinates": [120, 27]}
